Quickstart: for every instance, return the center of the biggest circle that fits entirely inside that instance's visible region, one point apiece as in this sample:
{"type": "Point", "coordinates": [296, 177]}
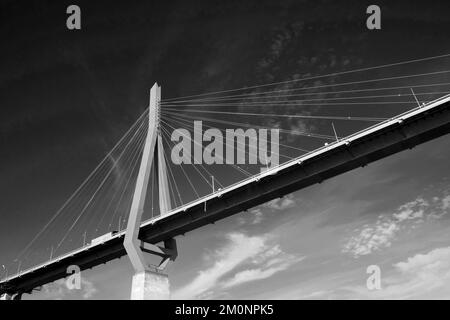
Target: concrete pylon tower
{"type": "Point", "coordinates": [149, 282]}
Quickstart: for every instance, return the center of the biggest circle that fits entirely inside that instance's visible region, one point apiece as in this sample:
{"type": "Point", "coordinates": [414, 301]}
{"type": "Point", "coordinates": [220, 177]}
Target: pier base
{"type": "Point", "coordinates": [150, 285]}
{"type": "Point", "coordinates": [7, 296]}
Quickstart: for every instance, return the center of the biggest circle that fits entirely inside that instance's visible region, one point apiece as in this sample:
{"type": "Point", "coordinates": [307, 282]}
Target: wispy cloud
{"type": "Point", "coordinates": [281, 203]}
{"type": "Point", "coordinates": [240, 250]}
{"type": "Point", "coordinates": [279, 262]}
{"type": "Point", "coordinates": [372, 237]}
{"type": "Point", "coordinates": [59, 290]}
{"type": "Point", "coordinates": [278, 204]}
{"type": "Point", "coordinates": [379, 235]}
{"type": "Point", "coordinates": [446, 202]}
{"type": "Point", "coordinates": [258, 216]}
{"type": "Point", "coordinates": [421, 276]}
{"type": "Point", "coordinates": [424, 276]}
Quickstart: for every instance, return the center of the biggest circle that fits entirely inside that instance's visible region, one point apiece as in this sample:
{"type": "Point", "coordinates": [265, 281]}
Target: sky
{"type": "Point", "coordinates": [67, 96]}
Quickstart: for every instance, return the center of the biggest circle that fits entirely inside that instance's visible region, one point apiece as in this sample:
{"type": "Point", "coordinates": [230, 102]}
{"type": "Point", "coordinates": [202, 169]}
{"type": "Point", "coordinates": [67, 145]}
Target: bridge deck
{"type": "Point", "coordinates": [391, 136]}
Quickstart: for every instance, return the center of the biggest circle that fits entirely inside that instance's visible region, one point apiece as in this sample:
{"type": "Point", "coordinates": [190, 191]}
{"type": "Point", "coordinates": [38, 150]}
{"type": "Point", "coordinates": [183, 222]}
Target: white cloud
{"type": "Point", "coordinates": [88, 289]}
{"type": "Point", "coordinates": [240, 250]}
{"type": "Point", "coordinates": [446, 203]}
{"type": "Point", "coordinates": [58, 290]}
{"type": "Point", "coordinates": [281, 203]}
{"type": "Point", "coordinates": [257, 216]}
{"type": "Point", "coordinates": [411, 210]}
{"type": "Point", "coordinates": [372, 238]}
{"type": "Point", "coordinates": [432, 260]}
{"type": "Point", "coordinates": [379, 235]}
{"type": "Point", "coordinates": [422, 276]}
{"type": "Point", "coordinates": [271, 267]}
{"type": "Point", "coordinates": [278, 204]}
{"type": "Point", "coordinates": [251, 275]}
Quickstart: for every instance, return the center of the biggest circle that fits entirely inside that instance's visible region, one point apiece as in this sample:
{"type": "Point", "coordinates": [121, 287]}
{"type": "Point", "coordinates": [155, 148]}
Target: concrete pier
{"type": "Point", "coordinates": [150, 285]}
{"type": "Point", "coordinates": [5, 297]}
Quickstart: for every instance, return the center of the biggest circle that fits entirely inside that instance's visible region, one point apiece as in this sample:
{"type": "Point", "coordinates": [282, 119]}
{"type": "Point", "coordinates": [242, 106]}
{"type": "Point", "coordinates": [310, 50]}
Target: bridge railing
{"type": "Point", "coordinates": [55, 259]}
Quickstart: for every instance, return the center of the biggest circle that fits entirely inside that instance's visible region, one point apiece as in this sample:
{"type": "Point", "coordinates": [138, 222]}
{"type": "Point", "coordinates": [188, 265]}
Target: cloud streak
{"type": "Point", "coordinates": [422, 276]}
{"type": "Point", "coordinates": [260, 259]}
{"type": "Point", "coordinates": [59, 290]}
{"type": "Point", "coordinates": [376, 236]}
{"type": "Point", "coordinates": [278, 204]}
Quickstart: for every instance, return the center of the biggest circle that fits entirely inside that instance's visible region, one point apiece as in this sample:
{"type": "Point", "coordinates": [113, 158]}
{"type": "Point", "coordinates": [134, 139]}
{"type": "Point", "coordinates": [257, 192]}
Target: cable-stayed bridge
{"type": "Point", "coordinates": [313, 146]}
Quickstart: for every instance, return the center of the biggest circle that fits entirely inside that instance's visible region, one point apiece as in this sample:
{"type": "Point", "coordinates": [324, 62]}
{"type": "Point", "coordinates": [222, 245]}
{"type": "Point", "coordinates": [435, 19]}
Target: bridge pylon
{"type": "Point", "coordinates": [149, 281]}
{"type": "Point", "coordinates": [7, 296]}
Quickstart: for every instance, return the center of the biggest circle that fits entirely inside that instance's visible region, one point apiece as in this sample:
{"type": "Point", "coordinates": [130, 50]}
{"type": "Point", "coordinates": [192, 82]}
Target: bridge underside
{"type": "Point", "coordinates": [382, 143]}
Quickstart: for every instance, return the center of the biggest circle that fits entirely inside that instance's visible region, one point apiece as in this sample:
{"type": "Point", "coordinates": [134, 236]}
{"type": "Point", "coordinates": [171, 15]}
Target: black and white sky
{"type": "Point", "coordinates": [67, 96]}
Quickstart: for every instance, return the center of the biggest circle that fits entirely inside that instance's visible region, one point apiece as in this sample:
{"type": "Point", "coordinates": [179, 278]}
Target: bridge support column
{"type": "Point", "coordinates": [150, 285]}
{"type": "Point", "coordinates": [7, 296]}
